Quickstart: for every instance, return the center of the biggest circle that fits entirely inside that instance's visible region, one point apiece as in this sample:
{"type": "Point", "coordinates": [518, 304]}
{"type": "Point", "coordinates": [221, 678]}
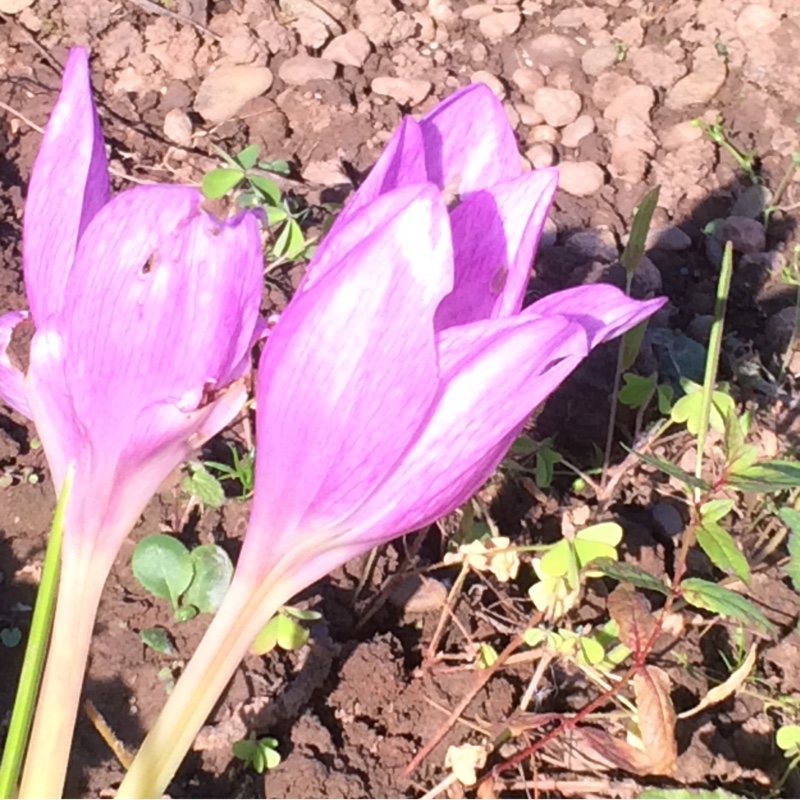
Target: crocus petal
{"type": "Point", "coordinates": [604, 311]}
{"type": "Point", "coordinates": [152, 311]}
{"type": "Point", "coordinates": [12, 389]}
{"type": "Point", "coordinates": [68, 186]}
{"type": "Point", "coordinates": [50, 403]}
{"type": "Point", "coordinates": [495, 373]}
{"type": "Point", "coordinates": [401, 163]}
{"type": "Point", "coordinates": [469, 143]}
{"type": "Point", "coordinates": [351, 368]}
{"type": "Point", "coordinates": [495, 235]}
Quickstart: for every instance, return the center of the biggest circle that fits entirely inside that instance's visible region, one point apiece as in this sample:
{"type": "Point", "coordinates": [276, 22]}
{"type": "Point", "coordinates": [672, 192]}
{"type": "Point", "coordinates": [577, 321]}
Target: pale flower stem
{"type": "Point", "coordinates": [57, 708]}
{"type": "Point", "coordinates": [243, 613]}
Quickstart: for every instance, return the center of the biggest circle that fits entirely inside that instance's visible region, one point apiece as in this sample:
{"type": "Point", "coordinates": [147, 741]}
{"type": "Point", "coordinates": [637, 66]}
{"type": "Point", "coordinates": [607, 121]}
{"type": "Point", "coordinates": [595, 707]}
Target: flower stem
{"type": "Point", "coordinates": [30, 676]}
{"type": "Point", "coordinates": [243, 613]}
{"type": "Point", "coordinates": [81, 584]}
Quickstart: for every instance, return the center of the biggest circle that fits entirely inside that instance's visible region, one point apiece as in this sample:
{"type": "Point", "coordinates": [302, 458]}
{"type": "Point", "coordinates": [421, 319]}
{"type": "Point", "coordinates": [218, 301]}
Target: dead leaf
{"type": "Point", "coordinates": [726, 689]}
{"type": "Point", "coordinates": [634, 617]}
{"type": "Point", "coordinates": [651, 685]}
{"type": "Point", "coordinates": [598, 749]}
{"type": "Point", "coordinates": [465, 760]}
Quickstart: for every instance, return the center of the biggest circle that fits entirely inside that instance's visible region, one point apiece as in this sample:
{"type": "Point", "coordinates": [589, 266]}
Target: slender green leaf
{"type": "Point", "coordinates": [218, 182]}
{"type": "Point", "coordinates": [634, 249]}
{"type": "Point", "coordinates": [628, 573]}
{"type": "Point", "coordinates": [719, 600]}
{"type": "Point", "coordinates": [719, 546]}
{"type": "Point", "coordinates": [715, 510]}
{"type": "Point", "coordinates": [631, 343]}
{"type": "Point", "coordinates": [675, 471]}
{"type": "Point", "coordinates": [791, 518]}
{"type": "Point", "coordinates": [766, 476]}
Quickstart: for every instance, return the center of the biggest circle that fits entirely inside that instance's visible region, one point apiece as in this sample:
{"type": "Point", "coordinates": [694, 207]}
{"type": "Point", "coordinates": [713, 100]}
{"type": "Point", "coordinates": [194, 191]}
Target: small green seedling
{"type": "Point", "coordinates": [282, 213]}
{"type": "Point", "coordinates": [260, 754]}
{"type": "Point", "coordinates": [285, 630]}
{"type": "Point", "coordinates": [545, 461]}
{"type": "Point", "coordinates": [192, 581]}
{"type": "Point", "coordinates": [561, 567]}
{"type": "Point", "coordinates": [638, 391]}
{"type": "Point", "coordinates": [242, 470]}
{"type": "Point", "coordinates": [746, 159]}
{"type": "Point", "coordinates": [201, 485]}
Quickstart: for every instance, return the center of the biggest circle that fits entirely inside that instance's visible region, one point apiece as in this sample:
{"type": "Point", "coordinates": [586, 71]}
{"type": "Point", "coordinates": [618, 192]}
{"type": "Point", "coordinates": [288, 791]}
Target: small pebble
{"type": "Point", "coordinates": [405, 91]}
{"type": "Point", "coordinates": [559, 107]}
{"type": "Point", "coordinates": [496, 85]}
{"type": "Point", "coordinates": [543, 133]}
{"type": "Point", "coordinates": [580, 178]}
{"type": "Point", "coordinates": [498, 27]}
{"type": "Point", "coordinates": [572, 134]}
{"type": "Point", "coordinates": [299, 70]}
{"type": "Point", "coordinates": [541, 154]}
{"type": "Point", "coordinates": [178, 127]}
{"type": "Point", "coordinates": [351, 49]}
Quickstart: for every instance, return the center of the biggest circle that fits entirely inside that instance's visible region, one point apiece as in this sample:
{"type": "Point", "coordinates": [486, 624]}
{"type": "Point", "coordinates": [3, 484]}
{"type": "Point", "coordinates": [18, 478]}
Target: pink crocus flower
{"type": "Point", "coordinates": [396, 379]}
{"type": "Point", "coordinates": [144, 309]}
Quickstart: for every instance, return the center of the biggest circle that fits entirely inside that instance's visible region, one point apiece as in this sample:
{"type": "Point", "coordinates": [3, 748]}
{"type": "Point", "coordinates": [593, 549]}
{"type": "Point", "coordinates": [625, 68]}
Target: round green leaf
{"type": "Point", "coordinates": [788, 736]}
{"type": "Point", "coordinates": [220, 181]}
{"type": "Point", "coordinates": [162, 565]}
{"type": "Point", "coordinates": [213, 571]}
{"type": "Point", "coordinates": [556, 561]}
{"type": "Point", "coordinates": [606, 532]}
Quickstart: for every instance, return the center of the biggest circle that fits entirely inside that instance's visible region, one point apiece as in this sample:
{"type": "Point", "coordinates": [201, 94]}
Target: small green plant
{"type": "Point", "coordinates": [193, 581]}
{"type": "Point", "coordinates": [285, 630]}
{"type": "Point", "coordinates": [241, 470]}
{"type": "Point", "coordinates": [260, 754]}
{"type": "Point", "coordinates": [250, 176]}
{"type": "Point", "coordinates": [746, 159]}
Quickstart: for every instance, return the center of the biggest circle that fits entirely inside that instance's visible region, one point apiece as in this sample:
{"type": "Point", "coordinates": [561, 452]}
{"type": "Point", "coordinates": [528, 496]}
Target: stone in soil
{"type": "Point", "coordinates": [701, 84]}
{"type": "Point", "coordinates": [559, 107]}
{"type": "Point", "coordinates": [405, 91]}
{"type": "Point", "coordinates": [223, 93]}
{"type": "Point", "coordinates": [351, 49]}
{"type": "Point", "coordinates": [580, 178]}
{"type": "Point", "coordinates": [497, 27]}
{"type": "Point", "coordinates": [745, 234]}
{"type": "Point", "coordinates": [299, 70]}
{"type": "Point", "coordinates": [178, 127]}
{"type": "Point", "coordinates": [572, 134]}
{"type": "Point", "coordinates": [550, 50]}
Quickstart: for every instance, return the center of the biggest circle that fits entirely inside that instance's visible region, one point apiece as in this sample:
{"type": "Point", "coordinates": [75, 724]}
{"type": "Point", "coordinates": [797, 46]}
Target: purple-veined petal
{"type": "Point", "coordinates": [494, 373]}
{"type": "Point", "coordinates": [50, 404]}
{"type": "Point", "coordinates": [469, 143]}
{"type": "Point", "coordinates": [12, 386]}
{"type": "Point", "coordinates": [401, 163]}
{"type": "Point", "coordinates": [68, 186]}
{"type": "Point", "coordinates": [343, 238]}
{"type": "Point", "coordinates": [495, 235]}
{"type": "Point", "coordinates": [603, 310]}
{"type": "Point", "coordinates": [161, 306]}
{"type": "Point", "coordinates": [350, 370]}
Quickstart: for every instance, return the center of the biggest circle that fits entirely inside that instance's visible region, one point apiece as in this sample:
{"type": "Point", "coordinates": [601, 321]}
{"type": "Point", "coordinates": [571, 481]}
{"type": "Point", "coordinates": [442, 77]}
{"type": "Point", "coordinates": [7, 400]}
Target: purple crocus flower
{"type": "Point", "coordinates": [143, 309]}
{"type": "Point", "coordinates": [396, 379]}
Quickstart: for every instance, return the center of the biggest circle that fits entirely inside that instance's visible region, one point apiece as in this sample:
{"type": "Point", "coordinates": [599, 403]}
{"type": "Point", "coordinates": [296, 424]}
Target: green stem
{"type": "Point", "coordinates": [30, 676]}
{"type": "Point", "coordinates": [243, 613]}
{"type": "Point", "coordinates": [83, 575]}
{"type": "Point", "coordinates": [712, 358]}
